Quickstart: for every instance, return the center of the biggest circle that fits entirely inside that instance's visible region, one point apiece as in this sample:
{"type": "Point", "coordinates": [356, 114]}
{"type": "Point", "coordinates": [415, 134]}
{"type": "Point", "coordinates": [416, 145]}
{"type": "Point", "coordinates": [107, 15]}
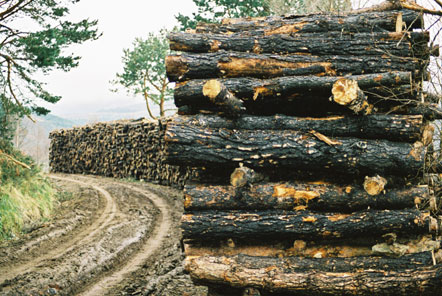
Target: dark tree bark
{"type": "Point", "coordinates": [195, 146]}
{"type": "Point", "coordinates": [396, 277]}
{"type": "Point", "coordinates": [223, 64]}
{"type": "Point", "coordinates": [403, 44]}
{"type": "Point", "coordinates": [302, 224]}
{"type": "Point", "coordinates": [313, 23]}
{"type": "Point", "coordinates": [401, 128]}
{"type": "Point", "coordinates": [311, 196]}
{"type": "Point", "coordinates": [286, 88]}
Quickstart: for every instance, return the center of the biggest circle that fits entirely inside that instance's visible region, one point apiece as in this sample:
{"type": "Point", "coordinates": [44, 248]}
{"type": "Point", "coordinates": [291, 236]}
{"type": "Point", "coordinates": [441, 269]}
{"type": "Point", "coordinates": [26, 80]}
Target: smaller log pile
{"type": "Point", "coordinates": [120, 149]}
{"type": "Point", "coordinates": [306, 115]}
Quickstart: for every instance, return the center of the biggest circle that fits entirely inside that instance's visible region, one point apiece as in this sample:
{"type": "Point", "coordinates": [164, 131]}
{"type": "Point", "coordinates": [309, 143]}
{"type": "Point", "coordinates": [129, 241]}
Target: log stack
{"type": "Point", "coordinates": [120, 149]}
{"type": "Point", "coordinates": [318, 129]}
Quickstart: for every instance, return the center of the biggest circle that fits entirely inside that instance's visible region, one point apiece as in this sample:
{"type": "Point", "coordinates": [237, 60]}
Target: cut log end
{"type": "Point", "coordinates": [374, 185]}
{"type": "Point", "coordinates": [346, 92]}
{"type": "Point", "coordinates": [212, 88]}
{"type": "Point", "coordinates": [243, 176]}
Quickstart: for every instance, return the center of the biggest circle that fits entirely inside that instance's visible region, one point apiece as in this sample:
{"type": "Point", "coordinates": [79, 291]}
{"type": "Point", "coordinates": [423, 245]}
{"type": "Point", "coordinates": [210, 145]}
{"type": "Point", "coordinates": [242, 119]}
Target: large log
{"type": "Point", "coordinates": [390, 127]}
{"type": "Point", "coordinates": [403, 44]}
{"type": "Point", "coordinates": [311, 196]}
{"type": "Point", "coordinates": [195, 146]}
{"type": "Point", "coordinates": [310, 249]}
{"type": "Point", "coordinates": [353, 22]}
{"type": "Point", "coordinates": [396, 277]}
{"type": "Point", "coordinates": [283, 89]}
{"type": "Point", "coordinates": [223, 64]}
{"type": "Point", "coordinates": [302, 224]}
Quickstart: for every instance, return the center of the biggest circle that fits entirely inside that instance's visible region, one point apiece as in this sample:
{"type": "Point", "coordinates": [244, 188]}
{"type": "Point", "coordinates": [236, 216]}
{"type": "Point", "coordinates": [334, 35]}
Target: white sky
{"type": "Point", "coordinates": [86, 88]}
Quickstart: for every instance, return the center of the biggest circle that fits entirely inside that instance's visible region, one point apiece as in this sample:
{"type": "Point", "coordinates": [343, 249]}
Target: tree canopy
{"type": "Point", "coordinates": [144, 71]}
{"type": "Point", "coordinates": [33, 37]}
{"type": "Point", "coordinates": [214, 10]}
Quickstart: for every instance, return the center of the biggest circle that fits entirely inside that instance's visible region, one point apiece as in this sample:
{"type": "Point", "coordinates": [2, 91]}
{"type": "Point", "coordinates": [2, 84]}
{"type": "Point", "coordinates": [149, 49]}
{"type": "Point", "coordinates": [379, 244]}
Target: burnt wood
{"type": "Point", "coordinates": [287, 95]}
{"type": "Point", "coordinates": [281, 276]}
{"type": "Point", "coordinates": [185, 66]}
{"type": "Point", "coordinates": [378, 21]}
{"type": "Point", "coordinates": [403, 44]}
{"type": "Point", "coordinates": [401, 128]}
{"type": "Point", "coordinates": [195, 146]}
{"type": "Point", "coordinates": [302, 224]}
{"type": "Point", "coordinates": [315, 196]}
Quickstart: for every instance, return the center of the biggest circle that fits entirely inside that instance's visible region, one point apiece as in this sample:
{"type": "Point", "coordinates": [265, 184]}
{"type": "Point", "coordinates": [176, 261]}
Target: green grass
{"type": "Point", "coordinates": [26, 195]}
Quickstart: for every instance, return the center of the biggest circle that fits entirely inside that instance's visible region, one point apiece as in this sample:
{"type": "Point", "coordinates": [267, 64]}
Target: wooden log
{"type": "Point", "coordinates": [185, 66]}
{"type": "Point", "coordinates": [315, 196]}
{"type": "Point", "coordinates": [402, 44]}
{"type": "Point", "coordinates": [392, 127]}
{"type": "Point", "coordinates": [280, 248]}
{"type": "Point", "coordinates": [194, 146]}
{"type": "Point", "coordinates": [302, 224]}
{"type": "Point", "coordinates": [256, 91]}
{"type": "Point", "coordinates": [223, 98]}
{"type": "Point", "coordinates": [429, 111]}
{"type": "Point", "coordinates": [396, 277]}
{"type": "Point", "coordinates": [354, 22]}
{"type": "Point", "coordinates": [346, 92]}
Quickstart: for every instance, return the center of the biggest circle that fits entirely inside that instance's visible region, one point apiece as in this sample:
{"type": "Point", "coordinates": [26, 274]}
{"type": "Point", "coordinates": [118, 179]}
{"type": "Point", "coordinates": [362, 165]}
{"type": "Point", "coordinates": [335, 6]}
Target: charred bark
{"type": "Point", "coordinates": [194, 146]}
{"type": "Point", "coordinates": [354, 22]}
{"type": "Point", "coordinates": [390, 127]}
{"type": "Point", "coordinates": [315, 196]}
{"type": "Point", "coordinates": [403, 44]}
{"type": "Point", "coordinates": [396, 277]}
{"type": "Point", "coordinates": [187, 66]}
{"type": "Point", "coordinates": [291, 94]}
{"type": "Point", "coordinates": [214, 225]}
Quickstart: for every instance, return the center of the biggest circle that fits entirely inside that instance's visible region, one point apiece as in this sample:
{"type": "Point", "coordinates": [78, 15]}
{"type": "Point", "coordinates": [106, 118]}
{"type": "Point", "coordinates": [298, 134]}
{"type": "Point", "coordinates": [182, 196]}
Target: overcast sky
{"type": "Point", "coordinates": [86, 88]}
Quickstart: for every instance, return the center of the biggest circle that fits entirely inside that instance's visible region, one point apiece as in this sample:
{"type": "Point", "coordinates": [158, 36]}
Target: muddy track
{"type": "Point", "coordinates": [110, 238]}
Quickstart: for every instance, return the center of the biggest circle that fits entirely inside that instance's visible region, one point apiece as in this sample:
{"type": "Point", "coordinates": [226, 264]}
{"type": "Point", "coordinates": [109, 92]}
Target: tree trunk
{"type": "Point", "coordinates": [403, 44]}
{"type": "Point", "coordinates": [315, 196]}
{"type": "Point", "coordinates": [214, 225]}
{"type": "Point", "coordinates": [359, 276]}
{"type": "Point", "coordinates": [222, 64]}
{"type": "Point", "coordinates": [390, 127]}
{"type": "Point", "coordinates": [354, 22]}
{"type": "Point", "coordinates": [194, 146]}
{"type": "Point", "coordinates": [284, 94]}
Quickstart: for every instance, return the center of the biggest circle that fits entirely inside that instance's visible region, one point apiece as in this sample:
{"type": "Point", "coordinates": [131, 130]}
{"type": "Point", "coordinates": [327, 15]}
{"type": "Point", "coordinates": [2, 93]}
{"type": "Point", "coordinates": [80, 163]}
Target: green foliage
{"type": "Point", "coordinates": [213, 11]}
{"type": "Point", "coordinates": [144, 70]}
{"type": "Point", "coordinates": [25, 52]}
{"type": "Point", "coordinates": [25, 194]}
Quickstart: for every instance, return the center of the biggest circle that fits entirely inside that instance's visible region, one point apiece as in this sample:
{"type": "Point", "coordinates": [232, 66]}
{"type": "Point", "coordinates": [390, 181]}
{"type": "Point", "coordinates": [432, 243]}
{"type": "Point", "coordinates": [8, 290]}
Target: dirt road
{"type": "Point", "coordinates": [107, 237]}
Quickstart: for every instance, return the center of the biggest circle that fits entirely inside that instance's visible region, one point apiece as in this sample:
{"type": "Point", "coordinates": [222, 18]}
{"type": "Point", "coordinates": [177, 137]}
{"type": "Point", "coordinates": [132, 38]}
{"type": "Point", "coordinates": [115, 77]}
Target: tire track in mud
{"type": "Point", "coordinates": [159, 233]}
{"type": "Point", "coordinates": [84, 237]}
{"type": "Point", "coordinates": [105, 277]}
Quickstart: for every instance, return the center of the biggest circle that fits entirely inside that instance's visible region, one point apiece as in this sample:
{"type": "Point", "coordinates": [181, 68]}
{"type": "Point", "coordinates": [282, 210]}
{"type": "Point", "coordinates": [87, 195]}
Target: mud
{"type": "Point", "coordinates": [107, 237]}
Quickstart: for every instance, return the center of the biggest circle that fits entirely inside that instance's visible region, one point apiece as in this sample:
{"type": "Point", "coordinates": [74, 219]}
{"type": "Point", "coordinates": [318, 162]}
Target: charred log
{"type": "Point", "coordinates": [195, 146]}
{"type": "Point", "coordinates": [302, 224]}
{"type": "Point", "coordinates": [315, 196]}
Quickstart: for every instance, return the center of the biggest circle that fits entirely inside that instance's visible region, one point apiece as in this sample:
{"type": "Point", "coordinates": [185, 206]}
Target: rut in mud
{"type": "Point", "coordinates": [108, 237]}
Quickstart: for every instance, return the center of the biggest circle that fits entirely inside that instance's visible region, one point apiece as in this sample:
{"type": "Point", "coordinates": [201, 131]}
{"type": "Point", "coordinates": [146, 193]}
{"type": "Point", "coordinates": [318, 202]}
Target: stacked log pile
{"type": "Point", "coordinates": [323, 127]}
{"type": "Point", "coordinates": [121, 149]}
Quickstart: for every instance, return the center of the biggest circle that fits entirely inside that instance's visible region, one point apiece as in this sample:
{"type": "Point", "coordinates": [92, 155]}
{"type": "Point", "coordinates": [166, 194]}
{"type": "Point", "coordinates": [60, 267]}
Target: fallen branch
{"type": "Point", "coordinates": [7, 156]}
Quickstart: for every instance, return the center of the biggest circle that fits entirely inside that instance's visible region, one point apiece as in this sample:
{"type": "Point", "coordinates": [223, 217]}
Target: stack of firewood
{"type": "Point", "coordinates": [121, 149]}
{"type": "Point", "coordinates": [320, 122]}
